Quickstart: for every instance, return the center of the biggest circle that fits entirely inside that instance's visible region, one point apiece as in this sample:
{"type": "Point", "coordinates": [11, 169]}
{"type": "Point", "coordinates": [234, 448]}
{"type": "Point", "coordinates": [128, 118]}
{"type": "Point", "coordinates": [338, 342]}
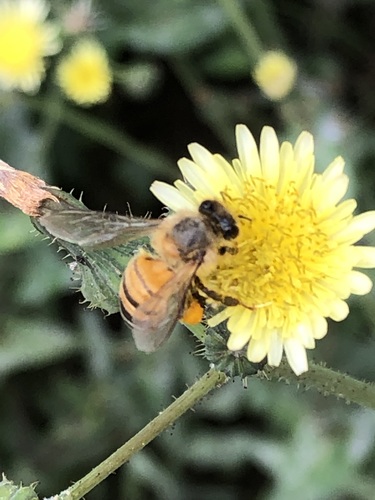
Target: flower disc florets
{"type": "Point", "coordinates": [294, 256]}
{"type": "Point", "coordinates": [25, 39]}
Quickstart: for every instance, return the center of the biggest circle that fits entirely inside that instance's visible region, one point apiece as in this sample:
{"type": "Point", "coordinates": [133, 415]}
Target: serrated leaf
{"type": "Point", "coordinates": [99, 270]}
{"type": "Point", "coordinates": [11, 491]}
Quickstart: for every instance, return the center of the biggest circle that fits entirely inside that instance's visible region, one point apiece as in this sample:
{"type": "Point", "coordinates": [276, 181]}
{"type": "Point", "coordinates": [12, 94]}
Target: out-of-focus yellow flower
{"type": "Point", "coordinates": [294, 261]}
{"type": "Point", "coordinates": [25, 39]}
{"type": "Point", "coordinates": [275, 73]}
{"type": "Point", "coordinates": [85, 75]}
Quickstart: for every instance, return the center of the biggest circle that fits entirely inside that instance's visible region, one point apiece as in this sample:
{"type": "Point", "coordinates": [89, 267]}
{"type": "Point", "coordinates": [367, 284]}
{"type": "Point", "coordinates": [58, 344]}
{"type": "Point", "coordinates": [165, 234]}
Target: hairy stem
{"type": "Point", "coordinates": [327, 382]}
{"type": "Point", "coordinates": [189, 398]}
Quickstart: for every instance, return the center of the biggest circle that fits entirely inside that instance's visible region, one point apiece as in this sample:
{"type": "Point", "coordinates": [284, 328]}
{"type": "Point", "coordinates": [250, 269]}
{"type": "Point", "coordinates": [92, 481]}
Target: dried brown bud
{"type": "Point", "coordinates": [23, 190]}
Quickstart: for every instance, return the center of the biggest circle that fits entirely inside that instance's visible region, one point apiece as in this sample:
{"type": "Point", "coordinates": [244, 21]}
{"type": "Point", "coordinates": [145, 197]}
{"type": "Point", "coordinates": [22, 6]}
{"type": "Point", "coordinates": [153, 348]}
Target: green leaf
{"type": "Point", "coordinates": [15, 232]}
{"type": "Point", "coordinates": [11, 491]}
{"type": "Point", "coordinates": [33, 343]}
{"type": "Point", "coordinates": [168, 27]}
{"type": "Point", "coordinates": [227, 61]}
{"type": "Point", "coordinates": [99, 269]}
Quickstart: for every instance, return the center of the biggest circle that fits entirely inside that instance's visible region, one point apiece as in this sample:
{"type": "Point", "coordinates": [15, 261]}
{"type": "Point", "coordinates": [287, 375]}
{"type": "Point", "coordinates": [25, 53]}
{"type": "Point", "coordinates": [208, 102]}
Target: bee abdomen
{"type": "Point", "coordinates": [143, 278]}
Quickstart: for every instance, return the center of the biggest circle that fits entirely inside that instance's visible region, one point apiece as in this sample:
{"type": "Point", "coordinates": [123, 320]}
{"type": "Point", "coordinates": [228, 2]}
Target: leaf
{"type": "Point", "coordinates": [33, 343]}
{"type": "Point", "coordinates": [166, 27]}
{"type": "Point", "coordinates": [11, 491]}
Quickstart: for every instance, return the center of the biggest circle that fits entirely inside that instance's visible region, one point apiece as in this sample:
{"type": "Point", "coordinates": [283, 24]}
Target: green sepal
{"type": "Point", "coordinates": [232, 363]}
{"type": "Point", "coordinates": [11, 491]}
{"type": "Point", "coordinates": [99, 270]}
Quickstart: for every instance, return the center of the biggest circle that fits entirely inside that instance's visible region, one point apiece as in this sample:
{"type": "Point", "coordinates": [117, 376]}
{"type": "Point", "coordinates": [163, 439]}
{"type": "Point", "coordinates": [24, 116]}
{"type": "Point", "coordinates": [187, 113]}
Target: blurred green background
{"type": "Point", "coordinates": [72, 386]}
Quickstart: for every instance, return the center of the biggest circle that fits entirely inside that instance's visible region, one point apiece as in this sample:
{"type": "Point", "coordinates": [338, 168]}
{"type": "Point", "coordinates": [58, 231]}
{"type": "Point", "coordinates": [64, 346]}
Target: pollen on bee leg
{"type": "Point", "coordinates": [193, 314]}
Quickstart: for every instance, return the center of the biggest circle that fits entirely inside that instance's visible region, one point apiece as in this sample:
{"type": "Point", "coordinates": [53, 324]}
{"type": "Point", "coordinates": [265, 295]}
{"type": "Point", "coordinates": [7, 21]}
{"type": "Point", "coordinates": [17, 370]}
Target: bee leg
{"type": "Point", "coordinates": [231, 250]}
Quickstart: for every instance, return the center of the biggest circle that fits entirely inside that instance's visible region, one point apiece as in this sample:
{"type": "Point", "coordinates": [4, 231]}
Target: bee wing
{"type": "Point", "coordinates": [92, 229]}
{"type": "Point", "coordinates": [157, 317]}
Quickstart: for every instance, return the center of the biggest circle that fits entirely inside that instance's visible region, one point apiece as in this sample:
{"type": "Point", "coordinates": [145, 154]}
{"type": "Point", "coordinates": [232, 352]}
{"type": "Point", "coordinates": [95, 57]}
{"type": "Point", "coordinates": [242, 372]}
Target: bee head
{"type": "Point", "coordinates": [220, 220]}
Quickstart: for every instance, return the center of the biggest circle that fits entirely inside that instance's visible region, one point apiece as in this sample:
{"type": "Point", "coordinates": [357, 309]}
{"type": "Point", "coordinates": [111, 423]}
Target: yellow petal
{"type": "Point", "coordinates": [257, 349]}
{"type": "Point", "coordinates": [170, 196]}
{"type": "Point", "coordinates": [360, 284]}
{"type": "Point", "coordinates": [275, 350]}
{"type": "Point", "coordinates": [247, 152]}
{"type": "Point", "coordinates": [366, 256]}
{"type": "Point", "coordinates": [270, 155]}
{"type": "Point", "coordinates": [296, 355]}
{"type": "Point", "coordinates": [339, 310]}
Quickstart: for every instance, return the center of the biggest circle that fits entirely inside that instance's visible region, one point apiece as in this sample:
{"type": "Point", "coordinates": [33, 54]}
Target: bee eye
{"type": "Point", "coordinates": [206, 207]}
{"type": "Point", "coordinates": [231, 232]}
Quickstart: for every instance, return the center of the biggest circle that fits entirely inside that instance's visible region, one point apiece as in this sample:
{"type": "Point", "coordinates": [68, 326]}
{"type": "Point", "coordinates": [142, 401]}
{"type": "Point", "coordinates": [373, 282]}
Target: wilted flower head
{"type": "Point", "coordinates": [25, 39]}
{"type": "Point", "coordinates": [275, 73]}
{"type": "Point", "coordinates": [85, 75]}
{"type": "Point", "coordinates": [295, 254]}
{"type": "Point", "coordinates": [80, 17]}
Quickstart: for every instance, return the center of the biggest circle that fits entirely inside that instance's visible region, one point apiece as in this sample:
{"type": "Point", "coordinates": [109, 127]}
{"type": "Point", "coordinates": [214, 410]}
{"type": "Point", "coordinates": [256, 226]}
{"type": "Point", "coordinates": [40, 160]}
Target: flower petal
{"type": "Point", "coordinates": [303, 148]}
{"type": "Point", "coordinates": [269, 155]}
{"type": "Point", "coordinates": [275, 352]}
{"type": "Point", "coordinates": [258, 349]}
{"type": "Point", "coordinates": [247, 152]}
{"type": "Point", "coordinates": [356, 229]}
{"type": "Point", "coordinates": [319, 326]}
{"type": "Point", "coordinates": [366, 256]}
{"type": "Point", "coordinates": [296, 355]}
{"type": "Point", "coordinates": [305, 334]}
{"type": "Point", "coordinates": [360, 283]}
{"type": "Point", "coordinates": [170, 196]}
{"type": "Point", "coordinates": [339, 310]}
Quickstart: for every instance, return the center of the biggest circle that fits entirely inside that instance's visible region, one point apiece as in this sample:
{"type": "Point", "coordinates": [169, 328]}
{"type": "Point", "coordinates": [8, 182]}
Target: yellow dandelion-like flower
{"type": "Point", "coordinates": [85, 75]}
{"type": "Point", "coordinates": [295, 256]}
{"type": "Point", "coordinates": [275, 73]}
{"type": "Point", "coordinates": [25, 39]}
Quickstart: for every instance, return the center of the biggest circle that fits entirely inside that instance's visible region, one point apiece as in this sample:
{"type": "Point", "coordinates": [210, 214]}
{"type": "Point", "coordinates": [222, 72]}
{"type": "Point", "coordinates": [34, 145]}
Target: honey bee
{"type": "Point", "coordinates": [157, 289]}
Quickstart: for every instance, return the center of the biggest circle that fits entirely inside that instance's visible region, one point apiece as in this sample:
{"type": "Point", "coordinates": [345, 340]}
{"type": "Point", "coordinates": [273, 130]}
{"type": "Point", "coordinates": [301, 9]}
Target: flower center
{"type": "Point", "coordinates": [284, 256]}
{"type": "Point", "coordinates": [20, 45]}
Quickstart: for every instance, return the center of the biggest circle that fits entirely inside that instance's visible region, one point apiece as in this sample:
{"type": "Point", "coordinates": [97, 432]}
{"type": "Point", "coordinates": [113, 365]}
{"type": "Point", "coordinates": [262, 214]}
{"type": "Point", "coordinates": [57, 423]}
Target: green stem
{"type": "Point", "coordinates": [244, 28]}
{"type": "Point", "coordinates": [51, 121]}
{"type": "Point", "coordinates": [213, 108]}
{"type": "Point", "coordinates": [327, 382]}
{"type": "Point", "coordinates": [265, 17]}
{"type": "Point", "coordinates": [199, 330]}
{"type": "Point", "coordinates": [189, 398]}
{"type": "Point", "coordinates": [108, 136]}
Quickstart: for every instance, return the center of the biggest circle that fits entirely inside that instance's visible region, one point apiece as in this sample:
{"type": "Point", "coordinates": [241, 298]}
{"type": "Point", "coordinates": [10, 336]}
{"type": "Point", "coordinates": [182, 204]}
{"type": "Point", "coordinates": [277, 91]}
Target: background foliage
{"type": "Point", "coordinates": [72, 386]}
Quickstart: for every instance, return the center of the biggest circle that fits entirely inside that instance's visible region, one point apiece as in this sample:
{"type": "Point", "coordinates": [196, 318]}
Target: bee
{"type": "Point", "coordinates": [157, 289]}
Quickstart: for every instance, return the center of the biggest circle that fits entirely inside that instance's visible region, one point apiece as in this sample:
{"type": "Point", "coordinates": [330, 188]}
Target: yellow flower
{"type": "Point", "coordinates": [295, 249]}
{"type": "Point", "coordinates": [85, 75]}
{"type": "Point", "coordinates": [275, 73]}
{"type": "Point", "coordinates": [25, 39]}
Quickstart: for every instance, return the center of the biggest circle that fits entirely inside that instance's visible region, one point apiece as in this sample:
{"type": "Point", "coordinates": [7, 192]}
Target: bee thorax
{"type": "Point", "coordinates": [192, 238]}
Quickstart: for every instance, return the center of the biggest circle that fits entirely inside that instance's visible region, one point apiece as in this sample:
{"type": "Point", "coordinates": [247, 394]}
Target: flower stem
{"type": "Point", "coordinates": [213, 107]}
{"type": "Point", "coordinates": [189, 398]}
{"type": "Point", "coordinates": [107, 135]}
{"type": "Point", "coordinates": [327, 382]}
{"type": "Point", "coordinates": [244, 29]}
